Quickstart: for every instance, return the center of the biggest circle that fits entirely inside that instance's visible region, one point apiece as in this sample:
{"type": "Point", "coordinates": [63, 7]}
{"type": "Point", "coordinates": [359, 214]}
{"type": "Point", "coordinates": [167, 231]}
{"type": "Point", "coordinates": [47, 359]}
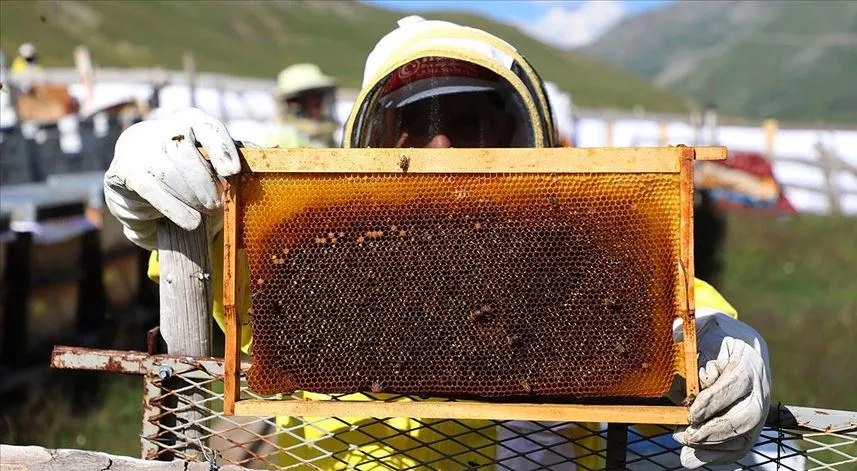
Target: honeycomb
{"type": "Point", "coordinates": [463, 285]}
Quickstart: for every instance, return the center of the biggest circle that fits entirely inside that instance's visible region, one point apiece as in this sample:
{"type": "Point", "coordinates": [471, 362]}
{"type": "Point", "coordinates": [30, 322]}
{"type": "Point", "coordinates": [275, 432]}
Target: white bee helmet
{"type": "Point", "coordinates": [424, 60]}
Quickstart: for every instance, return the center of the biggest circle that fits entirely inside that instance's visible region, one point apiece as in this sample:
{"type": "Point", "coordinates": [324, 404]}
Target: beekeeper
{"type": "Point", "coordinates": [305, 99]}
{"type": "Point", "coordinates": [438, 84]}
{"type": "Point", "coordinates": [26, 69]}
{"type": "Point", "coordinates": [26, 61]}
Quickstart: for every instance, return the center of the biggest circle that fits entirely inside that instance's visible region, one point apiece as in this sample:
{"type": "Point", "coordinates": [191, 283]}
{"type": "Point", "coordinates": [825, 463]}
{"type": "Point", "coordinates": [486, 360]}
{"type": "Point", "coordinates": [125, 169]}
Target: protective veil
{"type": "Point", "coordinates": [430, 78]}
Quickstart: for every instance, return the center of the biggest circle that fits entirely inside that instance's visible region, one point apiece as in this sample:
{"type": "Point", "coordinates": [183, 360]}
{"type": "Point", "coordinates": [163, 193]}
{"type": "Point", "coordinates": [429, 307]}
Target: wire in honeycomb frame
{"type": "Point", "coordinates": [312, 185]}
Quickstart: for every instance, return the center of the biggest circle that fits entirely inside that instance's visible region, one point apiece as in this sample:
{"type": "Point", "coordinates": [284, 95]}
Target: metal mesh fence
{"type": "Point", "coordinates": [795, 438]}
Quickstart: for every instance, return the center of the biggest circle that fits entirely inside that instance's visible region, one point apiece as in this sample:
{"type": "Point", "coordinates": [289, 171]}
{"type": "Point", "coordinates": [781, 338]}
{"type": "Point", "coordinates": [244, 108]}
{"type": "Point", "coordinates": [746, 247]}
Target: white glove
{"type": "Point", "coordinates": [157, 172]}
{"type": "Point", "coordinates": [727, 417]}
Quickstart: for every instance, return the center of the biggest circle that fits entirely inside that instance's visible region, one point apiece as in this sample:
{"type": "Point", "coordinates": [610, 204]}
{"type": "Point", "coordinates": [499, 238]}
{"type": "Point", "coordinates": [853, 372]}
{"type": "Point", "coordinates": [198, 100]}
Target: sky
{"type": "Point", "coordinates": [562, 23]}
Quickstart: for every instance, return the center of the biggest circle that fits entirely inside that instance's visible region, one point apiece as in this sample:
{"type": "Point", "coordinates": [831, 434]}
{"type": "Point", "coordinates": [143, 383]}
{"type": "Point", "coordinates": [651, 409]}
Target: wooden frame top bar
{"type": "Point", "coordinates": [524, 160]}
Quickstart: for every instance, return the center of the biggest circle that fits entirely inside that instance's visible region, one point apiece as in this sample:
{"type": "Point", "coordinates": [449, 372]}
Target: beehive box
{"type": "Point", "coordinates": [46, 103]}
{"type": "Point", "coordinates": [525, 282]}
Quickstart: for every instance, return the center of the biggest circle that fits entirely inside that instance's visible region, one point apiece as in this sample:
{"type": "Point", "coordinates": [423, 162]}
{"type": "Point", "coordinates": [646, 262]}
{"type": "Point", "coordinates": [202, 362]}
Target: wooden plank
{"type": "Point", "coordinates": [608, 131]}
{"type": "Point", "coordinates": [813, 189]}
{"type": "Point", "coordinates": [844, 165]}
{"type": "Point", "coordinates": [553, 160]}
{"type": "Point", "coordinates": [710, 153]}
{"type": "Point", "coordinates": [185, 277]}
{"type": "Point", "coordinates": [185, 319]}
{"type": "Point", "coordinates": [33, 458]}
{"type": "Point", "coordinates": [687, 261]}
{"type": "Point", "coordinates": [815, 162]}
{"type": "Point", "coordinates": [231, 297]}
{"type": "Point", "coordinates": [770, 128]}
{"type": "Point", "coordinates": [664, 415]}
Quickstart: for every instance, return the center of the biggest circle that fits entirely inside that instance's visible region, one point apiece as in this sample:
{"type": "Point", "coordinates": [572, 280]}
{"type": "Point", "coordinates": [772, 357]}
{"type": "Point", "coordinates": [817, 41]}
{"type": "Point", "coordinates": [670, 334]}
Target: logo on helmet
{"type": "Point", "coordinates": [434, 67]}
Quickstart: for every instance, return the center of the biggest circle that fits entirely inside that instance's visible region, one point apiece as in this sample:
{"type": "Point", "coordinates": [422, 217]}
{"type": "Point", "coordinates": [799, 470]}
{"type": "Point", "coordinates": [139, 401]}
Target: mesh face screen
{"type": "Point", "coordinates": [465, 285]}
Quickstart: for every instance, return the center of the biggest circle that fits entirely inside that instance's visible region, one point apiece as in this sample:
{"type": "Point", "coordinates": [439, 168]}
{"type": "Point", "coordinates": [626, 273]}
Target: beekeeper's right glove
{"type": "Point", "coordinates": [727, 417]}
{"type": "Point", "coordinates": [158, 172]}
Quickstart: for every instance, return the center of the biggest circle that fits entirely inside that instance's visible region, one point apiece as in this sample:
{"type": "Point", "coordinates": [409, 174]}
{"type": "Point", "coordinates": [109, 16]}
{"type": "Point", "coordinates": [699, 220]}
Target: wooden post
{"type": "Point", "coordinates": [609, 132]}
{"type": "Point", "coordinates": [83, 64]}
{"type": "Point", "coordinates": [696, 124]}
{"type": "Point", "coordinates": [617, 446]}
{"type": "Point", "coordinates": [185, 289]}
{"type": "Point", "coordinates": [6, 235]}
{"type": "Point", "coordinates": [185, 295]}
{"type": "Point", "coordinates": [770, 127]}
{"type": "Point", "coordinates": [190, 69]}
{"type": "Point", "coordinates": [663, 139]}
{"type": "Point", "coordinates": [829, 164]}
{"type": "Point", "coordinates": [709, 119]}
{"type": "Point", "coordinates": [92, 304]}
{"type": "Point", "coordinates": [16, 292]}
{"type": "Point", "coordinates": [221, 102]}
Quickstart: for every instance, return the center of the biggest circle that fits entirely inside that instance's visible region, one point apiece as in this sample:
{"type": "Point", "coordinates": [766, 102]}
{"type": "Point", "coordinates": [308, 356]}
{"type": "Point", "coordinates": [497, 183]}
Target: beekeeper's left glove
{"type": "Point", "coordinates": [727, 417]}
{"type": "Point", "coordinates": [158, 172]}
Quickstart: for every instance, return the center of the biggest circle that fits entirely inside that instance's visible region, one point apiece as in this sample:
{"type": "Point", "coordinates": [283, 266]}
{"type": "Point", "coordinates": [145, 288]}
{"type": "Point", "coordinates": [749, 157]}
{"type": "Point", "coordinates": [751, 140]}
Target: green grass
{"type": "Point", "coordinates": [793, 280]}
{"type": "Point", "coordinates": [78, 409]}
{"type": "Point", "coordinates": [796, 282]}
{"type": "Point", "coordinates": [260, 38]}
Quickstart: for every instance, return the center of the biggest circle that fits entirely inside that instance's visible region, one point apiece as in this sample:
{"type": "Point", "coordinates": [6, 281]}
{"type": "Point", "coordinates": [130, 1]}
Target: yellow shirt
{"type": "Point", "coordinates": [20, 65]}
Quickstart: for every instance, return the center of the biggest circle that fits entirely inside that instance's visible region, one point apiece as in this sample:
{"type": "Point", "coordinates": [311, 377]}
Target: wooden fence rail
{"type": "Point", "coordinates": [36, 458]}
{"type": "Point", "coordinates": [823, 158]}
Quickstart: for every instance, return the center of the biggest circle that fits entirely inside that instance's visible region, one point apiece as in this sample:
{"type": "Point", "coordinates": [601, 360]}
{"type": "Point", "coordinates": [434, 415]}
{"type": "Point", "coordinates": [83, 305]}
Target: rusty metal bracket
{"type": "Point", "coordinates": [812, 419]}
{"type": "Point", "coordinates": [152, 337]}
{"type": "Point", "coordinates": [131, 362]}
{"type": "Point", "coordinates": [161, 374]}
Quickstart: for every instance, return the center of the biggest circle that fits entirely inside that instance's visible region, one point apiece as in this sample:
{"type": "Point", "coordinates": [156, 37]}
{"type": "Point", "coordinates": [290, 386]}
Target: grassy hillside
{"type": "Point", "coordinates": [790, 60]}
{"type": "Point", "coordinates": [259, 38]}
{"type": "Point", "coordinates": [791, 280]}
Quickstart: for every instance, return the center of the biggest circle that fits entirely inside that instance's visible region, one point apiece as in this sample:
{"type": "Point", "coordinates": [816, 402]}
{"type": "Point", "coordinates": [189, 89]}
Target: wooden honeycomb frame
{"type": "Point", "coordinates": [676, 160]}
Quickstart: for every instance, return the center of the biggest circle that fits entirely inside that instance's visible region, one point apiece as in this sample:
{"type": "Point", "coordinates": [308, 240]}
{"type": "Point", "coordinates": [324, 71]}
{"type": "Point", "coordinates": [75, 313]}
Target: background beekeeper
{"type": "Point", "coordinates": [305, 103]}
{"type": "Point", "coordinates": [26, 60]}
{"type": "Point", "coordinates": [26, 69]}
{"type": "Point", "coordinates": [437, 84]}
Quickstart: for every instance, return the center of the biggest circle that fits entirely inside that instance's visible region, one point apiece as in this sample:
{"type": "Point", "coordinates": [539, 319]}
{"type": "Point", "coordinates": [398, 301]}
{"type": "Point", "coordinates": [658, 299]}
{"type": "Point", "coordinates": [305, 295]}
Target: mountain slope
{"type": "Point", "coordinates": [790, 60]}
{"type": "Point", "coordinates": [259, 38]}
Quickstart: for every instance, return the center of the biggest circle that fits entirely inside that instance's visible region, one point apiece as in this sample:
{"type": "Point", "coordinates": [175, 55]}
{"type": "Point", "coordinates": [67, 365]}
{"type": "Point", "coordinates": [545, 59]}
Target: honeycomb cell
{"type": "Point", "coordinates": [486, 286]}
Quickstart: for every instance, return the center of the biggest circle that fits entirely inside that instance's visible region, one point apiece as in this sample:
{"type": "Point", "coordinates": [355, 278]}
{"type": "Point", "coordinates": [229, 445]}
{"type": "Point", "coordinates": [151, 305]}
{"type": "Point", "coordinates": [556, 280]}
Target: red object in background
{"type": "Point", "coordinates": [72, 105]}
{"type": "Point", "coordinates": [744, 181]}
